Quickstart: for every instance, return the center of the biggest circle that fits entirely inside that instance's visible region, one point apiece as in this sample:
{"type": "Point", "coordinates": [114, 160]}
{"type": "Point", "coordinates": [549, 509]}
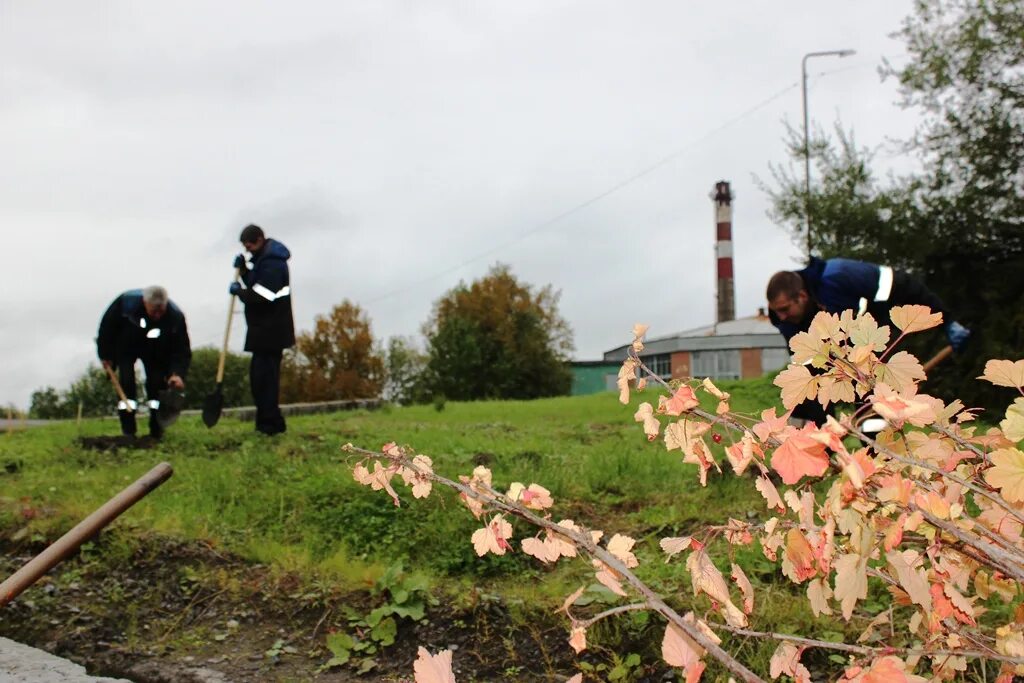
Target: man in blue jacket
{"type": "Point", "coordinates": [838, 284]}
{"type": "Point", "coordinates": [143, 324]}
{"type": "Point", "coordinates": [266, 292]}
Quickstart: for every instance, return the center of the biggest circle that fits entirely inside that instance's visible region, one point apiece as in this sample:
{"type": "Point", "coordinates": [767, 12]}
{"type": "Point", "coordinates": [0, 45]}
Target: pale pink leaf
{"type": "Point", "coordinates": [433, 668]}
{"type": "Point", "coordinates": [682, 400]}
{"type": "Point", "coordinates": [1004, 373]}
{"type": "Point", "coordinates": [621, 546]}
{"type": "Point", "coordinates": [745, 588]}
{"type": "Point", "coordinates": [784, 660]}
{"type": "Point", "coordinates": [770, 493]}
{"type": "Point", "coordinates": [671, 546]}
{"type": "Point", "coordinates": [1007, 473]}
{"type": "Point", "coordinates": [851, 582]}
{"type": "Point", "coordinates": [797, 384]}
{"type": "Point", "coordinates": [914, 318]}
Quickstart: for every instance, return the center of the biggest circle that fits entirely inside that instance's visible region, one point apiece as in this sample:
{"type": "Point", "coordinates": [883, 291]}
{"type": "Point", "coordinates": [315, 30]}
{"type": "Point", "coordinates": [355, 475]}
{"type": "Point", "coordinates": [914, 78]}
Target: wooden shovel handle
{"type": "Point", "coordinates": [937, 358]}
{"type": "Point", "coordinates": [227, 334]}
{"type": "Point", "coordinates": [117, 387]}
{"type": "Point", "coordinates": [86, 529]}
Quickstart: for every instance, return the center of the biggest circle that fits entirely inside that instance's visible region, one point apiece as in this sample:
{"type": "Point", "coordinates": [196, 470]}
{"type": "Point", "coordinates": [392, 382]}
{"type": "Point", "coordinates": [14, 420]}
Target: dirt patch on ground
{"type": "Point", "coordinates": [156, 611]}
{"type": "Point", "coordinates": [113, 443]}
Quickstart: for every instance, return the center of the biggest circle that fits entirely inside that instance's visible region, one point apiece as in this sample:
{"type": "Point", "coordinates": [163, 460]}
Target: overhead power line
{"type": "Point", "coordinates": [592, 200]}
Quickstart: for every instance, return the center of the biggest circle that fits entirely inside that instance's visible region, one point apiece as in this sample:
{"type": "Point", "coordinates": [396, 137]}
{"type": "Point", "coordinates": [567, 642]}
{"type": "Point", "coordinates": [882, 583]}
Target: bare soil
{"type": "Point", "coordinates": [165, 611]}
{"type": "Point", "coordinates": [113, 443]}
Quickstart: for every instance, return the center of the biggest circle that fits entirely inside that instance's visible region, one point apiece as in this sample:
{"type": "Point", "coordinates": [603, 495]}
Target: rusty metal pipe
{"type": "Point", "coordinates": [86, 529]}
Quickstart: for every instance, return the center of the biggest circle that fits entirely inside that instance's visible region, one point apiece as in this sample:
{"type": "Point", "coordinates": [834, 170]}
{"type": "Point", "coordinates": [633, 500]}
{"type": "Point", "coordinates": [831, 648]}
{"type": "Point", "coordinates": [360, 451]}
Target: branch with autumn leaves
{"type": "Point", "coordinates": [899, 508]}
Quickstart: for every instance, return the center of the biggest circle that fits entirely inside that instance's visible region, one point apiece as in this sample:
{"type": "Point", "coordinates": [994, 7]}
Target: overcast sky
{"type": "Point", "coordinates": [399, 147]}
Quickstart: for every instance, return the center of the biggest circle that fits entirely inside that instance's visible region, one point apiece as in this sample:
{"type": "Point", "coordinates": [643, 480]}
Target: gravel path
{"type": "Point", "coordinates": [21, 663]}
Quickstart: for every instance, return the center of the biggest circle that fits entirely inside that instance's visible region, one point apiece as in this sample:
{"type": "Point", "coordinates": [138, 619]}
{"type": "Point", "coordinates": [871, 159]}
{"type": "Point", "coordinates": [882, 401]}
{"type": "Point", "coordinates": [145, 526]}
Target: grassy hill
{"type": "Point", "coordinates": [280, 523]}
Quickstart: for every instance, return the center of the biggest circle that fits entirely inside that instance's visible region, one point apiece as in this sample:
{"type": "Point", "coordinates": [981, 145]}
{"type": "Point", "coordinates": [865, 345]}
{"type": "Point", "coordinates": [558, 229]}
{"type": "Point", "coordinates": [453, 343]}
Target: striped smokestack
{"type": "Point", "coordinates": [722, 197]}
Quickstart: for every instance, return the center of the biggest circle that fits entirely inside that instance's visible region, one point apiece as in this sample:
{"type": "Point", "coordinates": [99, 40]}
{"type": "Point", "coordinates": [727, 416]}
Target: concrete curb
{"type": "Point", "coordinates": [21, 663]}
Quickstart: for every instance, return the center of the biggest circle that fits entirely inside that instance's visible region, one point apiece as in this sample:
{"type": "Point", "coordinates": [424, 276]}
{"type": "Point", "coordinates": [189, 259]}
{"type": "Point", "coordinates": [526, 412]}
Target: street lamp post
{"type": "Point", "coordinates": [807, 150]}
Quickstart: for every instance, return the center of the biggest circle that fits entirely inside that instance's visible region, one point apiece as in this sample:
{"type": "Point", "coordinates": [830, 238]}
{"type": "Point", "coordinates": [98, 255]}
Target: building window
{"type": "Point", "coordinates": [716, 364]}
{"type": "Point", "coordinates": [660, 365]}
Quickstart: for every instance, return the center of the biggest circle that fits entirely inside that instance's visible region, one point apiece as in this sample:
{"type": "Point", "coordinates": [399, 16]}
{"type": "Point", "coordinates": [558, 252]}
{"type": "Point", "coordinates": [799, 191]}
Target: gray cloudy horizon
{"type": "Point", "coordinates": [398, 148]}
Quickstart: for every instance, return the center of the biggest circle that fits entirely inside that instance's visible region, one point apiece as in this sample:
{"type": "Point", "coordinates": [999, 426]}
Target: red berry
{"type": "Point", "coordinates": [717, 438]}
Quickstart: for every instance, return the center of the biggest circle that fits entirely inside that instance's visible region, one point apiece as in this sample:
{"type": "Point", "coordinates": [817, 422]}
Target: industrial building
{"type": "Point", "coordinates": [728, 349]}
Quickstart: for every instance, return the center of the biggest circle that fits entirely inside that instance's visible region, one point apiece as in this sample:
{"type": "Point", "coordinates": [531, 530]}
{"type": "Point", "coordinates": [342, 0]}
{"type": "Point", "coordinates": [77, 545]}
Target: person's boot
{"type": "Point", "coordinates": [127, 418]}
{"type": "Point", "coordinates": [156, 430]}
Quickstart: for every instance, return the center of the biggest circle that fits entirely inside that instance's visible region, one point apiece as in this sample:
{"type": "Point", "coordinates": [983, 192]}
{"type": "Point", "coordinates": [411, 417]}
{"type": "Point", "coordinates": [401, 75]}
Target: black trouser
{"type": "Point", "coordinates": [265, 380]}
{"type": "Point", "coordinates": [156, 381]}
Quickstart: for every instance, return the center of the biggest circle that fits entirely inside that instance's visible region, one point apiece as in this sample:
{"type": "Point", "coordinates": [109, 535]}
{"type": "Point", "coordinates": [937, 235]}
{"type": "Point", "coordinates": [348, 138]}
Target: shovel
{"type": "Point", "coordinates": [213, 404]}
{"type": "Point", "coordinates": [170, 403]}
{"type": "Point", "coordinates": [120, 392]}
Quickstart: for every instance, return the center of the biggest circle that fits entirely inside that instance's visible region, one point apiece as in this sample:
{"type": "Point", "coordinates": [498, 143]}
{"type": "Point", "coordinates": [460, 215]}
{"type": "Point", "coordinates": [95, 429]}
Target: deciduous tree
{"type": "Point", "coordinates": [336, 361]}
{"type": "Point", "coordinates": [498, 338]}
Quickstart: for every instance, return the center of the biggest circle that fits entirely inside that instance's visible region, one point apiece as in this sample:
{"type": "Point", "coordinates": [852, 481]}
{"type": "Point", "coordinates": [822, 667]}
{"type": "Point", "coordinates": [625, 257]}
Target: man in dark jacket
{"type": "Point", "coordinates": [265, 291]}
{"type": "Point", "coordinates": [838, 284]}
{"type": "Point", "coordinates": [143, 324]}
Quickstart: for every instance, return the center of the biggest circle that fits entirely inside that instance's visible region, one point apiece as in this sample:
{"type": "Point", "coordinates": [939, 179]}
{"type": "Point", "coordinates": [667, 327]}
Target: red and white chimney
{"type": "Point", "coordinates": [722, 197]}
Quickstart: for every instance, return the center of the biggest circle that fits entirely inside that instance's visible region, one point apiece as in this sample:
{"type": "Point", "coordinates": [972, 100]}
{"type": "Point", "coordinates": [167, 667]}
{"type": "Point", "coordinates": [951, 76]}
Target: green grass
{"type": "Point", "coordinates": [290, 502]}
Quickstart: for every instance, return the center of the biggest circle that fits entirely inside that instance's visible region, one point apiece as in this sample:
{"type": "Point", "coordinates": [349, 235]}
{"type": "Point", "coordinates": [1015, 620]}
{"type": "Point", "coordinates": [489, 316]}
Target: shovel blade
{"type": "Point", "coordinates": [171, 404]}
{"type": "Point", "coordinates": [212, 406]}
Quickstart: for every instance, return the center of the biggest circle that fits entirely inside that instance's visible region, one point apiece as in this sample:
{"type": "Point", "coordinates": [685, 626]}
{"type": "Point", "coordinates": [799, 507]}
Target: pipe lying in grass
{"type": "Point", "coordinates": [86, 529]}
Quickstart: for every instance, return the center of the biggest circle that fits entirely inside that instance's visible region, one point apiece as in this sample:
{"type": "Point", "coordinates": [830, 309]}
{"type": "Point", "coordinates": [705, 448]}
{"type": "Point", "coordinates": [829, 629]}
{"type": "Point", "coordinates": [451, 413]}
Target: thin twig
{"type": "Point", "coordinates": [584, 542]}
{"type": "Point", "coordinates": [864, 649]}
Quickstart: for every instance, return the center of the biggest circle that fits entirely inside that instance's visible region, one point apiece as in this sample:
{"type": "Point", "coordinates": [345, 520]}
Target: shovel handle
{"type": "Point", "coordinates": [86, 529]}
{"type": "Point", "coordinates": [937, 358]}
{"type": "Point", "coordinates": [117, 387]}
{"type": "Point", "coordinates": [227, 334]}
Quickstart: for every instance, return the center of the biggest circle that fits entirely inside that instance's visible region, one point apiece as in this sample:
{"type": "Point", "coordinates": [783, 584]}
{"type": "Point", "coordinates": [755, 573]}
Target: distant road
{"type": "Point", "coordinates": [240, 412]}
{"type": "Point", "coordinates": [6, 425]}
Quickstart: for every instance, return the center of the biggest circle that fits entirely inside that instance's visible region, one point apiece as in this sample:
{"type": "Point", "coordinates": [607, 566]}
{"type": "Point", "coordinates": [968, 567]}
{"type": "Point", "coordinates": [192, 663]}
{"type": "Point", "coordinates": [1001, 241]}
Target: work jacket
{"type": "Point", "coordinates": [267, 299]}
{"type": "Point", "coordinates": [840, 284]}
{"type": "Point", "coordinates": [126, 332]}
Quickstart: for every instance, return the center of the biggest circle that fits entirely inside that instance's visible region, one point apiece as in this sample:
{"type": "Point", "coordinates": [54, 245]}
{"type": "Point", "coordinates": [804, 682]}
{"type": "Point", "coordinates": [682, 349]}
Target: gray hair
{"type": "Point", "coordinates": [155, 295]}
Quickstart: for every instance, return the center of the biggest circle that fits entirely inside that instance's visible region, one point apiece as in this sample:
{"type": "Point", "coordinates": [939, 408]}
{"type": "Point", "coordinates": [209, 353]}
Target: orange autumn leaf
{"type": "Point", "coordinates": [684, 399]}
{"type": "Point", "coordinates": [799, 456]}
{"type": "Point", "coordinates": [578, 639]}
{"type": "Point", "coordinates": [914, 318]}
{"type": "Point", "coordinates": [1004, 373]}
{"type": "Point", "coordinates": [797, 384]}
{"type": "Point", "coordinates": [799, 561]}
